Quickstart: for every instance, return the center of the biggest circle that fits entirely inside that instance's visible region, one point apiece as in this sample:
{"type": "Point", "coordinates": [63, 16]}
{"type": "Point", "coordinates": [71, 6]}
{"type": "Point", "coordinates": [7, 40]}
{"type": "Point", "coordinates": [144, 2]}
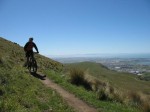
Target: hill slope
{"type": "Point", "coordinates": [111, 85]}
{"type": "Point", "coordinates": [11, 53]}
{"type": "Point", "coordinates": [125, 81]}
{"type": "Point", "coordinates": [20, 91]}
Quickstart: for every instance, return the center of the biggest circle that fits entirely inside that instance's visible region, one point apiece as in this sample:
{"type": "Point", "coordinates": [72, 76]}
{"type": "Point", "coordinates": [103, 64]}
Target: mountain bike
{"type": "Point", "coordinates": [32, 64]}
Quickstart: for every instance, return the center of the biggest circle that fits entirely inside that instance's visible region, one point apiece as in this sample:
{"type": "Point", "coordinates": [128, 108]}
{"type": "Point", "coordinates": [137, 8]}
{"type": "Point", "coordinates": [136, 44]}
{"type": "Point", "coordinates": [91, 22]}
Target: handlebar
{"type": "Point", "coordinates": [36, 52]}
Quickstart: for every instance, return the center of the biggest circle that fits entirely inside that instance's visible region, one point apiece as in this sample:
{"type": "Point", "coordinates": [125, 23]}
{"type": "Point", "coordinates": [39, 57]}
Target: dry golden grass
{"type": "Point", "coordinates": [104, 91]}
{"type": "Point", "coordinates": [145, 106]}
{"type": "Point", "coordinates": [77, 77]}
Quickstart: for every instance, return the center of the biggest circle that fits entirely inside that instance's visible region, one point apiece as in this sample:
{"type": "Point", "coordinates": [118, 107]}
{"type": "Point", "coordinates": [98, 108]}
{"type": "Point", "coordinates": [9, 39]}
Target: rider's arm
{"type": "Point", "coordinates": [35, 47]}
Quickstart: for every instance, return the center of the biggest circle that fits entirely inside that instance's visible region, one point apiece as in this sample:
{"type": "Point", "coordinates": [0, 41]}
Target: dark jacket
{"type": "Point", "coordinates": [29, 46]}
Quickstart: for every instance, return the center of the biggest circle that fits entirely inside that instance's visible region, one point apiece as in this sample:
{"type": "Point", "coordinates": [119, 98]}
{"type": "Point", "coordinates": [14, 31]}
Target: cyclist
{"type": "Point", "coordinates": [28, 48]}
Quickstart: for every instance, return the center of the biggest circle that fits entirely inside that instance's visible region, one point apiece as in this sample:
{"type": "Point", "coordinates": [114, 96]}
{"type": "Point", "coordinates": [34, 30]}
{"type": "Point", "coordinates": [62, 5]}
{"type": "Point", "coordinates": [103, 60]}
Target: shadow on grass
{"type": "Point", "coordinates": [39, 76]}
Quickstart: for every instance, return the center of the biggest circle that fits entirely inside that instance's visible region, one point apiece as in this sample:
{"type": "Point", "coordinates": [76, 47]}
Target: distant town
{"type": "Point", "coordinates": [137, 66]}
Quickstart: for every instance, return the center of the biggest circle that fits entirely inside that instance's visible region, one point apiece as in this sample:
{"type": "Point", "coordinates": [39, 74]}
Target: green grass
{"type": "Point", "coordinates": [123, 84]}
{"type": "Point", "coordinates": [20, 91]}
{"type": "Point", "coordinates": [12, 53]}
{"type": "Point", "coordinates": [123, 81]}
{"type": "Point", "coordinates": [89, 96]}
{"type": "Point", "coordinates": [145, 77]}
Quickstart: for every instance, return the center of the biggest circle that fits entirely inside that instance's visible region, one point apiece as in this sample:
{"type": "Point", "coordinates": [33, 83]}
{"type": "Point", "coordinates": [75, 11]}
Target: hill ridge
{"type": "Point", "coordinates": [13, 52]}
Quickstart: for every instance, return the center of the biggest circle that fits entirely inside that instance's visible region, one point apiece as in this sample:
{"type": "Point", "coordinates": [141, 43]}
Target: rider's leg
{"type": "Point", "coordinates": [27, 59]}
{"type": "Point", "coordinates": [32, 54]}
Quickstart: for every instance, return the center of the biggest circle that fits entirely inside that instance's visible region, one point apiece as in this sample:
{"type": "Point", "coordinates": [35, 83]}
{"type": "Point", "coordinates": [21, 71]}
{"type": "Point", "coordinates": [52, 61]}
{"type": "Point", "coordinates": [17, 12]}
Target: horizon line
{"type": "Point", "coordinates": [96, 54]}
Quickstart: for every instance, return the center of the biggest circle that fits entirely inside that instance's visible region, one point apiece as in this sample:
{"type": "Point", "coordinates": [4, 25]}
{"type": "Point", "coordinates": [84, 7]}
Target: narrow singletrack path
{"type": "Point", "coordinates": [73, 101]}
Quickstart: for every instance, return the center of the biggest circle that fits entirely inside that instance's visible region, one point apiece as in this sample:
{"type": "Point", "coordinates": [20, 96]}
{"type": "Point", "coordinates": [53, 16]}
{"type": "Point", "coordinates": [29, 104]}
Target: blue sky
{"type": "Point", "coordinates": [66, 27]}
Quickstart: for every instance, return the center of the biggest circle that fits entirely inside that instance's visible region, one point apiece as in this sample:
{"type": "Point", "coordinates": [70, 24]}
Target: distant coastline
{"type": "Point", "coordinates": [106, 55]}
{"type": "Point", "coordinates": [132, 63]}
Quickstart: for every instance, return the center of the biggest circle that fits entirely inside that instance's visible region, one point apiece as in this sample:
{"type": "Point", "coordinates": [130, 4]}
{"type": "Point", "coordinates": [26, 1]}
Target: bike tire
{"type": "Point", "coordinates": [33, 66]}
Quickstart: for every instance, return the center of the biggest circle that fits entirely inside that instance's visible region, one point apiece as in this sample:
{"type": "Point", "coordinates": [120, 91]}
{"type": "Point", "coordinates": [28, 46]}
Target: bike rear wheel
{"type": "Point", "coordinates": [32, 66]}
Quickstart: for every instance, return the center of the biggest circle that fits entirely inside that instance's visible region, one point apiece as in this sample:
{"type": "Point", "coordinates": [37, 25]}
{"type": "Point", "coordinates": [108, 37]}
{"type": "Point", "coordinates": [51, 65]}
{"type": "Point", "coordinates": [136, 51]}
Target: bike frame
{"type": "Point", "coordinates": [32, 65]}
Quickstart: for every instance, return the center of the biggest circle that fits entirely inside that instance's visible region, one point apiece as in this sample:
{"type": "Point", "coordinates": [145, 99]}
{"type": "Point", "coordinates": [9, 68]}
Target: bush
{"type": "Point", "coordinates": [101, 95]}
{"type": "Point", "coordinates": [134, 99]}
{"type": "Point", "coordinates": [97, 84]}
{"type": "Point", "coordinates": [77, 77]}
{"type": "Point", "coordinates": [104, 91]}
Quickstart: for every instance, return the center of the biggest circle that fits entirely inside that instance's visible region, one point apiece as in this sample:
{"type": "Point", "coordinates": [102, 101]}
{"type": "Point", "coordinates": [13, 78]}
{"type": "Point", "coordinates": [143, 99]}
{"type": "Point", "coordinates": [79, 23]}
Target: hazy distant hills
{"type": "Point", "coordinates": [105, 55]}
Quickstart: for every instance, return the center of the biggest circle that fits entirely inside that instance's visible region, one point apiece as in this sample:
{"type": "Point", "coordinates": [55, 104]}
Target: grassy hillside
{"type": "Point", "coordinates": [12, 53]}
{"type": "Point", "coordinates": [90, 96]}
{"type": "Point", "coordinates": [19, 90]}
{"type": "Point", "coordinates": [124, 81]}
{"type": "Point", "coordinates": [111, 85]}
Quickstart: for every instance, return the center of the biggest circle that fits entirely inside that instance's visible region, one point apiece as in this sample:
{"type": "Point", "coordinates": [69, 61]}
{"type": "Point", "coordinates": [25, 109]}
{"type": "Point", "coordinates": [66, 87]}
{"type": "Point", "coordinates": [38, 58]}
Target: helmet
{"type": "Point", "coordinates": [31, 39]}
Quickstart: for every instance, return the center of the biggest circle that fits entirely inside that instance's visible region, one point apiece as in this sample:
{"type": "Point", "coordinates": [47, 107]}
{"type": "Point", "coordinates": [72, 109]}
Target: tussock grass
{"type": "Point", "coordinates": [123, 81]}
{"type": "Point", "coordinates": [145, 106]}
{"type": "Point", "coordinates": [89, 96]}
{"type": "Point", "coordinates": [138, 100]}
{"type": "Point", "coordinates": [115, 86]}
{"type": "Point", "coordinates": [77, 77]}
{"type": "Point", "coordinates": [134, 98]}
{"type": "Point", "coordinates": [105, 92]}
{"type": "Point", "coordinates": [102, 89]}
{"type": "Point", "coordinates": [108, 93]}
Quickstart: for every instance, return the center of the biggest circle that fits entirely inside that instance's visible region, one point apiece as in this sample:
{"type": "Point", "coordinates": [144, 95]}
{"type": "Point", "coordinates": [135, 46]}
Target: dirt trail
{"type": "Point", "coordinates": [73, 101]}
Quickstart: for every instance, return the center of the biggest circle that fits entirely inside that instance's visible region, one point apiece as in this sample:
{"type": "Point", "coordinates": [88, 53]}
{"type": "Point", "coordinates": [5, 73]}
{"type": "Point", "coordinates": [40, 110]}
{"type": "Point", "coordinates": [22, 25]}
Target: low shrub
{"type": "Point", "coordinates": [77, 77]}
{"type": "Point", "coordinates": [134, 98]}
{"type": "Point", "coordinates": [101, 94]}
{"type": "Point", "coordinates": [104, 91]}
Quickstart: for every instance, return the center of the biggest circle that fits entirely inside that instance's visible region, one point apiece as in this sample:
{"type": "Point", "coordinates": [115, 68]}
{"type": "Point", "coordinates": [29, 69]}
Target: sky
{"type": "Point", "coordinates": [71, 27]}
